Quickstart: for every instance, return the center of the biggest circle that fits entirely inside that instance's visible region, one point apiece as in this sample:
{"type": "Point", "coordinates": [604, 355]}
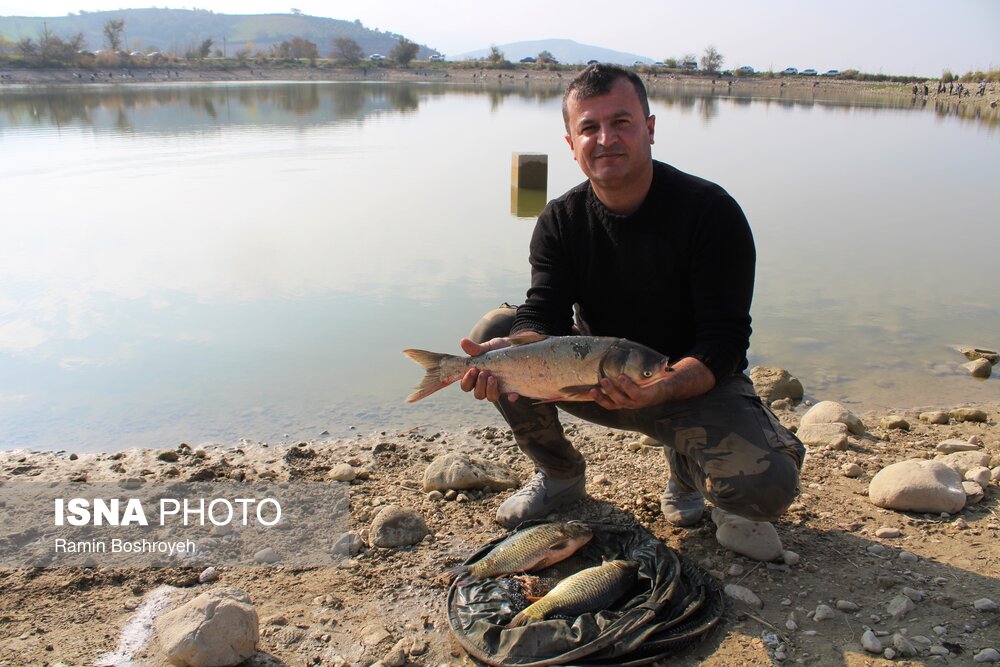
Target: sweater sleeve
{"type": "Point", "coordinates": [722, 277]}
{"type": "Point", "coordinates": [548, 307]}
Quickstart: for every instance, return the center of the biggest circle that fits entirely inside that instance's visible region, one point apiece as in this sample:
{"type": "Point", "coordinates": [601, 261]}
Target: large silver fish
{"type": "Point", "coordinates": [530, 549]}
{"type": "Point", "coordinates": [547, 368]}
{"type": "Point", "coordinates": [588, 590]}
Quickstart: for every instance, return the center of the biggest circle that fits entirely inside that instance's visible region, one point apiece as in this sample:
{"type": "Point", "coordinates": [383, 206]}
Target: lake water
{"type": "Point", "coordinates": [214, 262]}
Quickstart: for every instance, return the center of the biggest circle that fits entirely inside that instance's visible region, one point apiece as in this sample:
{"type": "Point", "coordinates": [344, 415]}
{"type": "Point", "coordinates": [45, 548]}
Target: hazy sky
{"type": "Point", "coordinates": [906, 37]}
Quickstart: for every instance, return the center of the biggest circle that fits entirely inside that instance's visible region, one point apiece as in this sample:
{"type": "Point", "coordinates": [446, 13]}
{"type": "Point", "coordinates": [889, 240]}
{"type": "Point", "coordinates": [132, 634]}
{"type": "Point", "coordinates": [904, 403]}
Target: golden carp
{"type": "Point", "coordinates": [532, 548]}
{"type": "Point", "coordinates": [547, 368]}
{"type": "Point", "coordinates": [588, 590]}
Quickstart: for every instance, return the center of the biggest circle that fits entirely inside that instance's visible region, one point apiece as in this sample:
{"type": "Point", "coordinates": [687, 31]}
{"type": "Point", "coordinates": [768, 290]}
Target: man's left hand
{"type": "Point", "coordinates": [624, 394]}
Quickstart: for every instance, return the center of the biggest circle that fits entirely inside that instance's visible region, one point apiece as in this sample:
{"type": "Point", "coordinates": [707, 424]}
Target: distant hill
{"type": "Point", "coordinates": [177, 30]}
{"type": "Point", "coordinates": [566, 51]}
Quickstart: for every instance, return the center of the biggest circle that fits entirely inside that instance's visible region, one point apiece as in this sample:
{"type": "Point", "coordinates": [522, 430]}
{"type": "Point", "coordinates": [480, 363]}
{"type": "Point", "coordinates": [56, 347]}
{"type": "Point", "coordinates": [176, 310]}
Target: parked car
{"type": "Point", "coordinates": [437, 58]}
{"type": "Point", "coordinates": [592, 62]}
{"type": "Point", "coordinates": [746, 69]}
{"type": "Point", "coordinates": [831, 72]}
{"type": "Point", "coordinates": [789, 70]}
{"type": "Point", "coordinates": [808, 72]}
{"type": "Point", "coordinates": [375, 57]}
{"type": "Point", "coordinates": [528, 59]}
{"type": "Point", "coordinates": [689, 64]}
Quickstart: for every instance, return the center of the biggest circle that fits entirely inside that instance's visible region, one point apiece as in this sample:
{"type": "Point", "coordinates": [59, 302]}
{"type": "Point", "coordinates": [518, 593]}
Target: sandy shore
{"type": "Point", "coordinates": [755, 86]}
{"type": "Point", "coordinates": [316, 615]}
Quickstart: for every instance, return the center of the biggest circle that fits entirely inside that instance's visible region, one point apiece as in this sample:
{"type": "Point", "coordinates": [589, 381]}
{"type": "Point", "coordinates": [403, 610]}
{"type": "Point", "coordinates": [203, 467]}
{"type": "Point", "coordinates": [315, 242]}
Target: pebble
{"type": "Point", "coordinates": [790, 558]}
{"type": "Point", "coordinates": [826, 412]}
{"type": "Point", "coordinates": [894, 422]}
{"type": "Point", "coordinates": [903, 645]}
{"type": "Point", "coordinates": [435, 495]}
{"type": "Point", "coordinates": [823, 613]}
{"type": "Point", "coordinates": [755, 539]}
{"type": "Point", "coordinates": [940, 630]}
{"type": "Point", "coordinates": [744, 595]}
{"type": "Point", "coordinates": [968, 415]}
{"type": "Point", "coordinates": [877, 549]}
{"type": "Point", "coordinates": [208, 575]}
{"type": "Point", "coordinates": [394, 526]}
{"type": "Point", "coordinates": [939, 650]}
{"type": "Point", "coordinates": [985, 604]}
{"type": "Point", "coordinates": [973, 492]}
{"type": "Point", "coordinates": [960, 523]}
{"type": "Point", "coordinates": [847, 605]}
{"type": "Point", "coordinates": [267, 555]}
{"type": "Point", "coordinates": [888, 531]}
{"type": "Point", "coordinates": [889, 654]}
{"type": "Point", "coordinates": [343, 472]}
{"type": "Point", "coordinates": [913, 594]}
{"type": "Point", "coordinates": [980, 475]}
{"type": "Point", "coordinates": [908, 557]}
{"type": "Point", "coordinates": [851, 470]}
{"type": "Point", "coordinates": [934, 417]}
{"type": "Point", "coordinates": [988, 655]}
{"type": "Point", "coordinates": [952, 445]}
{"type": "Point", "coordinates": [735, 570]}
{"type": "Point", "coordinates": [870, 642]}
{"type": "Point", "coordinates": [791, 624]}
{"type": "Point", "coordinates": [900, 607]}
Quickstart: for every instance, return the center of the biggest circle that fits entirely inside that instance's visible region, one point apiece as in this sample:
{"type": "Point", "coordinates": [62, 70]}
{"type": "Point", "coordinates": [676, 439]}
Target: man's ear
{"type": "Point", "coordinates": [650, 125]}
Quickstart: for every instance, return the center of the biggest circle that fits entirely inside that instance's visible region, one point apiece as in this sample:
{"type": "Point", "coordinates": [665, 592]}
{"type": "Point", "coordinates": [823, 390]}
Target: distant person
{"type": "Point", "coordinates": [643, 251]}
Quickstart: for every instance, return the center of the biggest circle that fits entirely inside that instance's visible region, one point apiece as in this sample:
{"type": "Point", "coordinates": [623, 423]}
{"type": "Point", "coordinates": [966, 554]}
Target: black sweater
{"type": "Point", "coordinates": [676, 275]}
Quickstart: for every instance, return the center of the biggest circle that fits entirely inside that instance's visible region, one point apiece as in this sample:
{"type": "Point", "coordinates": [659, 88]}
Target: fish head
{"type": "Point", "coordinates": [641, 364]}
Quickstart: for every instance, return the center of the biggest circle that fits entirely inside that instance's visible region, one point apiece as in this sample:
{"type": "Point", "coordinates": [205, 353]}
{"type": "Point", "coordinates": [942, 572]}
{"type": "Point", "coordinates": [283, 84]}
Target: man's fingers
{"type": "Point", "coordinates": [468, 382]}
{"type": "Point", "coordinates": [471, 348]}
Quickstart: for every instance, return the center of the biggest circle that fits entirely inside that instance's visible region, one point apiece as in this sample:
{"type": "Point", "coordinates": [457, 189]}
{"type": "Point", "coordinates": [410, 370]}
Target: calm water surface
{"type": "Point", "coordinates": [214, 262]}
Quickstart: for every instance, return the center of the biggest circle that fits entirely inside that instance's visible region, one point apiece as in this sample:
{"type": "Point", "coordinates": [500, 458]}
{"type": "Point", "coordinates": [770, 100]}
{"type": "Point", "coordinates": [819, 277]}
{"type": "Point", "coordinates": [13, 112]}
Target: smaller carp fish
{"type": "Point", "coordinates": [547, 368]}
{"type": "Point", "coordinates": [591, 589]}
{"type": "Point", "coordinates": [530, 549]}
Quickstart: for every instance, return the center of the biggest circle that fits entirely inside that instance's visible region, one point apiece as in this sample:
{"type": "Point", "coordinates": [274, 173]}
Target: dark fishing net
{"type": "Point", "coordinates": [671, 604]}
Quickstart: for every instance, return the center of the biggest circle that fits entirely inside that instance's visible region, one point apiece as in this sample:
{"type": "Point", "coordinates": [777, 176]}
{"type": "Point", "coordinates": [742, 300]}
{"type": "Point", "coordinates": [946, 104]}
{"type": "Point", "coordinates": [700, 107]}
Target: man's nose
{"type": "Point", "coordinates": [607, 135]}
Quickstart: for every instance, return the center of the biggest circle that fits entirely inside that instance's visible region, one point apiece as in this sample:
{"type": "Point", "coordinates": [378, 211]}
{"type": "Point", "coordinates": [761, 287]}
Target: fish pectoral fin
{"type": "Point", "coordinates": [532, 598]}
{"type": "Point", "coordinates": [526, 338]}
{"type": "Point", "coordinates": [578, 389]}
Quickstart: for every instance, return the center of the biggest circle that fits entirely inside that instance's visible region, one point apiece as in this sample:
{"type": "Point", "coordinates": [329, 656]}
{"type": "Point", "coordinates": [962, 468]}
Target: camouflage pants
{"type": "Point", "coordinates": [726, 444]}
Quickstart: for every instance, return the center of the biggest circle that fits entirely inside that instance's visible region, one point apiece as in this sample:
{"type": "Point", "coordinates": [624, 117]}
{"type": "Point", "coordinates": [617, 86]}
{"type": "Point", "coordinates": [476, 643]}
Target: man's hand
{"type": "Point", "coordinates": [482, 383]}
{"type": "Point", "coordinates": [624, 394]}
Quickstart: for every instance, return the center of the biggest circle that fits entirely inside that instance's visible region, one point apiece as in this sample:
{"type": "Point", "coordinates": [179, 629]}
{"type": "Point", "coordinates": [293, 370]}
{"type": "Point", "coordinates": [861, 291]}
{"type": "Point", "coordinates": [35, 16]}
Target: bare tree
{"type": "Point", "coordinates": [347, 50]}
{"type": "Point", "coordinates": [546, 57]}
{"type": "Point", "coordinates": [113, 30]}
{"type": "Point", "coordinates": [712, 60]}
{"type": "Point", "coordinates": [496, 55]}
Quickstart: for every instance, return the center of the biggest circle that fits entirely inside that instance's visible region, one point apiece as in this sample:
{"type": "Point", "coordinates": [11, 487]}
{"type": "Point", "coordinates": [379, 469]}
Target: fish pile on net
{"type": "Point", "coordinates": [671, 605]}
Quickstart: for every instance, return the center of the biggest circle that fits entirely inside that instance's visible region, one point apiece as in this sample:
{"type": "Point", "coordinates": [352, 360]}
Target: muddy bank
{"type": "Point", "coordinates": [855, 559]}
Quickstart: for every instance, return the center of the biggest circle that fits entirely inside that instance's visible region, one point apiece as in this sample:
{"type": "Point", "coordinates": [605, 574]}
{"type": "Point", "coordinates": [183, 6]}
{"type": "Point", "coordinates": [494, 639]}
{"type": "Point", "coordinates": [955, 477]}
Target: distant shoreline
{"type": "Point", "coordinates": [752, 85]}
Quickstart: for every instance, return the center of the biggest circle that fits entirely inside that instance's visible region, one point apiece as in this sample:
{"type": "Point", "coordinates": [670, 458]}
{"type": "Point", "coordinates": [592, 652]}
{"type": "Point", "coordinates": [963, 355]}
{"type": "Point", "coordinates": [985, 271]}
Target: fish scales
{"type": "Point", "coordinates": [533, 548]}
{"type": "Point", "coordinates": [588, 590]}
{"type": "Point", "coordinates": [547, 368]}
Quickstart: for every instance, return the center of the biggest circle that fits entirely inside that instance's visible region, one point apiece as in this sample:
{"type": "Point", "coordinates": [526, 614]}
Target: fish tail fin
{"type": "Point", "coordinates": [432, 380]}
{"type": "Point", "coordinates": [521, 619]}
{"type": "Point", "coordinates": [460, 574]}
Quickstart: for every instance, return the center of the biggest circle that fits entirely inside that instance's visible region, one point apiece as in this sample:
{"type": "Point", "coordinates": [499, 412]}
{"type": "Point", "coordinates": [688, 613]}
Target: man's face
{"type": "Point", "coordinates": [610, 136]}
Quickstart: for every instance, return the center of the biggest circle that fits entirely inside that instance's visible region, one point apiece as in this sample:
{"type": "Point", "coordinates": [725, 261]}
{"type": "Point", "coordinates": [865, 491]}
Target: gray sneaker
{"type": "Point", "coordinates": [539, 496]}
{"type": "Point", "coordinates": [681, 506]}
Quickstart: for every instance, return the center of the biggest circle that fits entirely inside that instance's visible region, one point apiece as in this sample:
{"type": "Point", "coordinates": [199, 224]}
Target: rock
{"type": "Point", "coordinates": [347, 544]}
{"type": "Point", "coordinates": [900, 607]}
{"type": "Point", "coordinates": [847, 606]}
{"type": "Point", "coordinates": [888, 531]}
{"type": "Point", "coordinates": [973, 492]}
{"type": "Point", "coordinates": [773, 384]}
{"type": "Point", "coordinates": [168, 455]}
{"type": "Point", "coordinates": [980, 475]}
{"type": "Point", "coordinates": [830, 412]}
{"type": "Point", "coordinates": [851, 470]}
{"type": "Point", "coordinates": [343, 472]}
{"type": "Point", "coordinates": [744, 595]}
{"type": "Point", "coordinates": [988, 655]}
{"type": "Point", "coordinates": [395, 527]}
{"type": "Point", "coordinates": [903, 645]}
{"type": "Point", "coordinates": [968, 415]}
{"type": "Point", "coordinates": [908, 557]}
{"type": "Point", "coordinates": [754, 539]}
{"type": "Point", "coordinates": [782, 404]}
{"type": "Point", "coordinates": [973, 353]}
{"type": "Point", "coordinates": [208, 575]}
{"type": "Point", "coordinates": [396, 657]}
{"type": "Point", "coordinates": [216, 628]}
{"type": "Point", "coordinates": [267, 555]}
{"type": "Point", "coordinates": [980, 368]}
{"type": "Point", "coordinates": [870, 642]}
{"type": "Point", "coordinates": [833, 436]}
{"type": "Point", "coordinates": [913, 594]}
{"type": "Point", "coordinates": [995, 474]}
{"type": "Point", "coordinates": [894, 422]}
{"type": "Point", "coordinates": [823, 613]}
{"type": "Point", "coordinates": [464, 471]}
{"type": "Point", "coordinates": [934, 417]}
{"type": "Point", "coordinates": [435, 495]}
{"type": "Point", "coordinates": [647, 441]}
{"type": "Point", "coordinates": [917, 485]}
{"type": "Point", "coordinates": [790, 558]}
{"type": "Point", "coordinates": [952, 445]}
{"type": "Point", "coordinates": [735, 570]}
{"type": "Point", "coordinates": [962, 462]}
{"type": "Point", "coordinates": [985, 604]}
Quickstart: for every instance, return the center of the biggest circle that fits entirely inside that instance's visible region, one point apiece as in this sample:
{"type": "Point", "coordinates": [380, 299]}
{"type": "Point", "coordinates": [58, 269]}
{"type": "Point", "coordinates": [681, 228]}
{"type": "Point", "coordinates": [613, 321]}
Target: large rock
{"type": "Point", "coordinates": [918, 485]}
{"type": "Point", "coordinates": [831, 412]}
{"type": "Point", "coordinates": [973, 353]}
{"type": "Point", "coordinates": [980, 368]}
{"type": "Point", "coordinates": [395, 527]}
{"type": "Point", "coordinates": [462, 471]}
{"type": "Point", "coordinates": [773, 384]}
{"type": "Point", "coordinates": [952, 445]}
{"type": "Point", "coordinates": [962, 462]}
{"type": "Point", "coordinates": [754, 539]}
{"type": "Point", "coordinates": [968, 415]}
{"type": "Point", "coordinates": [215, 629]}
{"type": "Point", "coordinates": [833, 436]}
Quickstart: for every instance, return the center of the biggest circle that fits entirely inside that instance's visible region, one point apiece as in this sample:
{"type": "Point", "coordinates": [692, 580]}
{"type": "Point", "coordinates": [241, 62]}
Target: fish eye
{"type": "Point", "coordinates": [647, 374]}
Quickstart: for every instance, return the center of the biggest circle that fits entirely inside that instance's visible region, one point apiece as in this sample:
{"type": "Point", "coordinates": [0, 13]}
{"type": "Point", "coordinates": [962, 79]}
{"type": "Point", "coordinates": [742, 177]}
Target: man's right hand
{"type": "Point", "coordinates": [482, 383]}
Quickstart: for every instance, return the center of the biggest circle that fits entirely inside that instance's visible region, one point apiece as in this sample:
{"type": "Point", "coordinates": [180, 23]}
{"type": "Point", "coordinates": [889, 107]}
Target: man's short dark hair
{"type": "Point", "coordinates": [597, 80]}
